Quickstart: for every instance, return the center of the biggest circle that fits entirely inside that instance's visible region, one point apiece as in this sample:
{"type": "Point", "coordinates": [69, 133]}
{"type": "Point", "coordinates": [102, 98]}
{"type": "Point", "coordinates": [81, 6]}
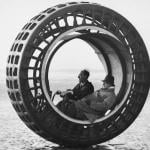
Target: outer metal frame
{"type": "Point", "coordinates": [25, 79]}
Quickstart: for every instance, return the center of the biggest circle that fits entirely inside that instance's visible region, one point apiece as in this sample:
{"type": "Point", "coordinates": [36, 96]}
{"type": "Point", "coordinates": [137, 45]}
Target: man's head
{"type": "Point", "coordinates": [83, 76]}
{"type": "Point", "coordinates": [108, 81]}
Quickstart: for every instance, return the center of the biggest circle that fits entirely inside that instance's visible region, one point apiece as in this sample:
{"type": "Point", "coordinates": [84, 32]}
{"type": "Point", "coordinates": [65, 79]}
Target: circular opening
{"type": "Point", "coordinates": [106, 51]}
{"type": "Point", "coordinates": [67, 63]}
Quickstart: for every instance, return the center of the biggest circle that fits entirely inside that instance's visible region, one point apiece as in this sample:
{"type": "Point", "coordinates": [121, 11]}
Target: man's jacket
{"type": "Point", "coordinates": [95, 105]}
{"type": "Point", "coordinates": [81, 91]}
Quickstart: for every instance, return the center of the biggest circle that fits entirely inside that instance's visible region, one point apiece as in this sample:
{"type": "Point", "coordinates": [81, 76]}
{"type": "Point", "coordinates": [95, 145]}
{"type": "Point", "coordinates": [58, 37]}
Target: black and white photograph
{"type": "Point", "coordinates": [75, 75]}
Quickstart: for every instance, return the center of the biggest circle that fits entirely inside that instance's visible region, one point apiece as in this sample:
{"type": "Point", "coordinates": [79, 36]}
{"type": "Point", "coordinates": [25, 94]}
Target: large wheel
{"type": "Point", "coordinates": [118, 46]}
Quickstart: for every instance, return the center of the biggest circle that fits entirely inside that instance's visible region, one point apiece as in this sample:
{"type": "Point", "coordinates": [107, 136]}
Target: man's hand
{"type": "Point", "coordinates": [58, 92]}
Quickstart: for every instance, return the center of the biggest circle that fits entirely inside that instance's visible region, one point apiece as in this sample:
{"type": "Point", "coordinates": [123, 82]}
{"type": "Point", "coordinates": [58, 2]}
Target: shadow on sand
{"type": "Point", "coordinates": [97, 147]}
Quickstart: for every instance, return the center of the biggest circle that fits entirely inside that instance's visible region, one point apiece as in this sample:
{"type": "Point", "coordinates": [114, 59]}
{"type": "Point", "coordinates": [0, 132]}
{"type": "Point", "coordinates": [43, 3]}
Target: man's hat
{"type": "Point", "coordinates": [109, 79]}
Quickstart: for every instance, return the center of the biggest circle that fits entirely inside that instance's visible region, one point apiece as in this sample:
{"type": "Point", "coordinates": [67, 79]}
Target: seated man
{"type": "Point", "coordinates": [82, 89]}
{"type": "Point", "coordinates": [95, 105]}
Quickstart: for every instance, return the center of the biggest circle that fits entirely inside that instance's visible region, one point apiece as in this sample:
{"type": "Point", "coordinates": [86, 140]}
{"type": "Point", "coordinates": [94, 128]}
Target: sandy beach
{"type": "Point", "coordinates": [14, 135]}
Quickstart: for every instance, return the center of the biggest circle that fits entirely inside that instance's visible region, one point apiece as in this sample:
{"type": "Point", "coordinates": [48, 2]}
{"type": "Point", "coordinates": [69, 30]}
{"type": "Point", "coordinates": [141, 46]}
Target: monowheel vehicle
{"type": "Point", "coordinates": [119, 47]}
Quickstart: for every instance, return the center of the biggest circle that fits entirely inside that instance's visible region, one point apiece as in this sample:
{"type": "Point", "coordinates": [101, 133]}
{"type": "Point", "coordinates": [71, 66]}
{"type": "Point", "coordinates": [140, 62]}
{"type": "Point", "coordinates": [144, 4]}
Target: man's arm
{"type": "Point", "coordinates": [99, 106]}
{"type": "Point", "coordinates": [105, 105]}
{"type": "Point", "coordinates": [82, 106]}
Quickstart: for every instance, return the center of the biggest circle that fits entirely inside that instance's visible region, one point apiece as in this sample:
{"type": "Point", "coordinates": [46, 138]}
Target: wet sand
{"type": "Point", "coordinates": [14, 135]}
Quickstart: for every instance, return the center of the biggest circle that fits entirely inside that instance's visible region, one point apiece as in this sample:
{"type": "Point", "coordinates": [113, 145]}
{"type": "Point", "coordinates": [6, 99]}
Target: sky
{"type": "Point", "coordinates": [14, 14]}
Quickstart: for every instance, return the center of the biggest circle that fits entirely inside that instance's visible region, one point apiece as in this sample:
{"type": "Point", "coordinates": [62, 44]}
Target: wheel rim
{"type": "Point", "coordinates": [48, 58]}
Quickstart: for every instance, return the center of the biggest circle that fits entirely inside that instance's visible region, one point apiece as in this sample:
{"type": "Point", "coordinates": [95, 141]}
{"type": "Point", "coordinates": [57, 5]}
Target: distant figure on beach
{"type": "Point", "coordinates": [82, 89]}
{"type": "Point", "coordinates": [96, 104]}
